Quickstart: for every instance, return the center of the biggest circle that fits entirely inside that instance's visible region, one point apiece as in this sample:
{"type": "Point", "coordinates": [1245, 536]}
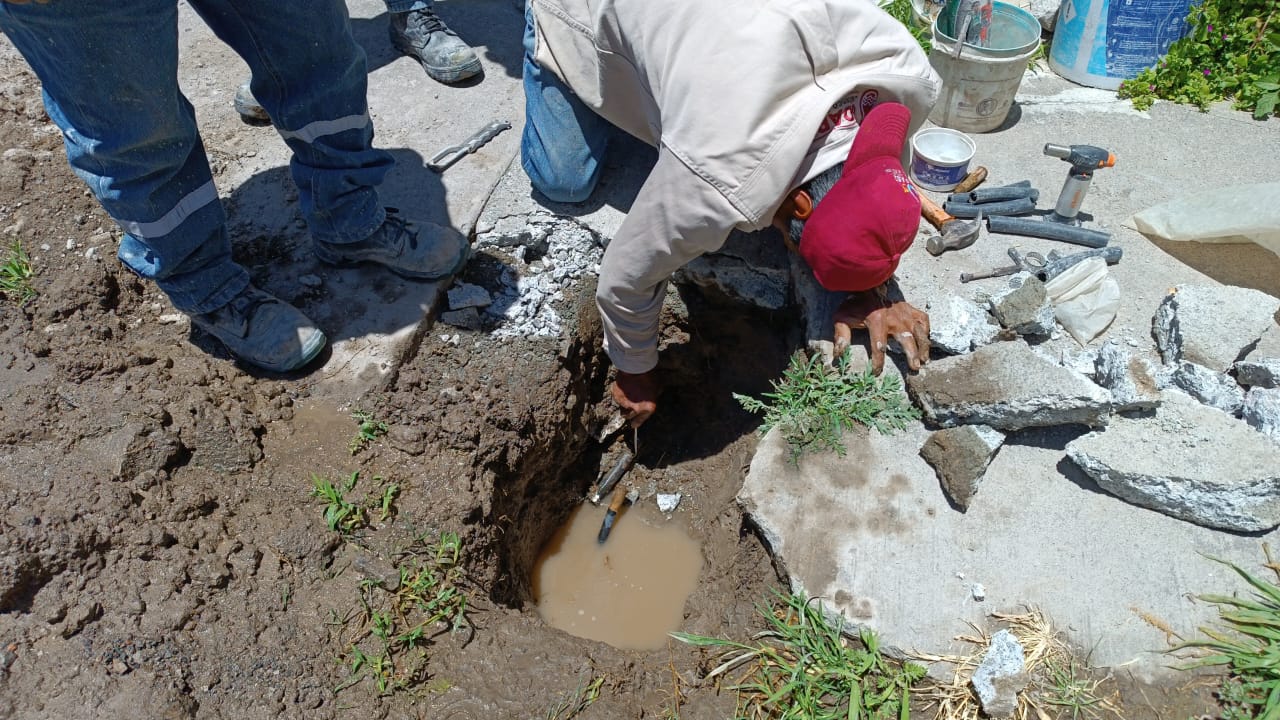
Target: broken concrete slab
{"type": "Point", "coordinates": [465, 295]}
{"type": "Point", "coordinates": [1189, 461]}
{"type": "Point", "coordinates": [467, 318]}
{"type": "Point", "coordinates": [750, 267]}
{"type": "Point", "coordinates": [1001, 675]}
{"type": "Point", "coordinates": [960, 456]}
{"type": "Point", "coordinates": [1263, 372]}
{"type": "Point", "coordinates": [1215, 389]}
{"type": "Point", "coordinates": [1262, 411]}
{"type": "Point", "coordinates": [1023, 306]}
{"type": "Point", "coordinates": [864, 531]}
{"type": "Point", "coordinates": [1008, 386]}
{"type": "Point", "coordinates": [1131, 379]}
{"type": "Point", "coordinates": [958, 326]}
{"type": "Point", "coordinates": [1211, 325]}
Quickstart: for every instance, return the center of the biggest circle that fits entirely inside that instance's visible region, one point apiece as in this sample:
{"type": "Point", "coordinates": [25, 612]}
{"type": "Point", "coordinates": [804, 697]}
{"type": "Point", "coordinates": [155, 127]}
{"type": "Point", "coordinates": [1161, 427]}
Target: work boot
{"type": "Point", "coordinates": [247, 105]}
{"type": "Point", "coordinates": [421, 34]}
{"type": "Point", "coordinates": [421, 251]}
{"type": "Point", "coordinates": [263, 330]}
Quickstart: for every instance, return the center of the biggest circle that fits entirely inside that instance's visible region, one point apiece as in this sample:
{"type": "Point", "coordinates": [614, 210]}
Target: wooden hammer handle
{"type": "Point", "coordinates": [931, 212]}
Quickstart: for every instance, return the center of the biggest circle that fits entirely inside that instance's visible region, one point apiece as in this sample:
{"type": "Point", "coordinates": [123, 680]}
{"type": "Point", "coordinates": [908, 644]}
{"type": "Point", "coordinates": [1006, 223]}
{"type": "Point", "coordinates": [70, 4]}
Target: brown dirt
{"type": "Point", "coordinates": [160, 552]}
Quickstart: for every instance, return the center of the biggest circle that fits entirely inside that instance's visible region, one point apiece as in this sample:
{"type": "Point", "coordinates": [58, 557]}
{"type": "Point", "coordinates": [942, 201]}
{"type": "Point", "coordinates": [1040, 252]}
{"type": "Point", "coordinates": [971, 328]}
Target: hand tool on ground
{"type": "Point", "coordinates": [952, 234]}
{"type": "Point", "coordinates": [1063, 224]}
{"type": "Point", "coordinates": [971, 181]}
{"type": "Point", "coordinates": [615, 504]}
{"type": "Point", "coordinates": [452, 154]}
{"type": "Point", "coordinates": [1057, 263]}
{"type": "Point", "coordinates": [1032, 262]}
{"type": "Point", "coordinates": [1018, 206]}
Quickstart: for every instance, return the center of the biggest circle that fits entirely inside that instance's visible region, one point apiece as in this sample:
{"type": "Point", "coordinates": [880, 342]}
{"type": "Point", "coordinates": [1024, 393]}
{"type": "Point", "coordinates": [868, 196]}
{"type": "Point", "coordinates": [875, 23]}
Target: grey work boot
{"type": "Point", "coordinates": [248, 107]}
{"type": "Point", "coordinates": [263, 330]}
{"type": "Point", "coordinates": [421, 34]}
{"type": "Point", "coordinates": [421, 251]}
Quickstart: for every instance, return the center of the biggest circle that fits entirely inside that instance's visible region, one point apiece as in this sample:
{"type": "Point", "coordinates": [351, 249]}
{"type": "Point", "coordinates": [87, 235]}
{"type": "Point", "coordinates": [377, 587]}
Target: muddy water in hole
{"type": "Point", "coordinates": [629, 592]}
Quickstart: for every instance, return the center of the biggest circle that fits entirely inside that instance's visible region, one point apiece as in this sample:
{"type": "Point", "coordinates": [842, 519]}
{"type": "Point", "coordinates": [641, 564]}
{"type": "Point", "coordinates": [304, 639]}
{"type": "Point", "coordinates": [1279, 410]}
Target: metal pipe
{"type": "Point", "coordinates": [620, 468]}
{"type": "Point", "coordinates": [999, 194]}
{"type": "Point", "coordinates": [1058, 264]}
{"type": "Point", "coordinates": [1020, 206]}
{"type": "Point", "coordinates": [1048, 230]}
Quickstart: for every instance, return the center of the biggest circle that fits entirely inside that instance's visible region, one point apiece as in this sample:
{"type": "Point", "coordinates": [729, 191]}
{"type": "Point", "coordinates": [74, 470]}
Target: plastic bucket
{"type": "Point", "coordinates": [979, 83]}
{"type": "Point", "coordinates": [1100, 43]}
{"type": "Point", "coordinates": [940, 158]}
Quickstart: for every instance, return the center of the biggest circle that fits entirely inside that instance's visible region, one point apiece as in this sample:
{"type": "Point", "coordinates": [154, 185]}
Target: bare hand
{"type": "Point", "coordinates": [883, 318]}
{"type": "Point", "coordinates": [637, 395]}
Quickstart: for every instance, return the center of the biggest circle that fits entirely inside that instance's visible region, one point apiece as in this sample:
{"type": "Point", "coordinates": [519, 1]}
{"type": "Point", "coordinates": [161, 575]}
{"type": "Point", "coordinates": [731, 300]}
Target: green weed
{"type": "Point", "coordinates": [575, 701]}
{"type": "Point", "coordinates": [1069, 689]}
{"type": "Point", "coordinates": [1247, 645]}
{"type": "Point", "coordinates": [813, 404]}
{"type": "Point", "coordinates": [803, 667]}
{"type": "Point", "coordinates": [368, 430]}
{"type": "Point", "coordinates": [344, 516]}
{"type": "Point", "coordinates": [1231, 50]}
{"type": "Point", "coordinates": [16, 274]}
{"type": "Point", "coordinates": [901, 11]}
{"type": "Point", "coordinates": [397, 625]}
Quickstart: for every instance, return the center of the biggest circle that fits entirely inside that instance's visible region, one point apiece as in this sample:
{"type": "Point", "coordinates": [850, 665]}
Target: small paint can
{"type": "Point", "coordinates": [940, 158]}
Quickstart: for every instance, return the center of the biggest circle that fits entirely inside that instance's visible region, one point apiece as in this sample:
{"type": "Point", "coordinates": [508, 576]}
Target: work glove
{"type": "Point", "coordinates": [884, 314]}
{"type": "Point", "coordinates": [637, 395]}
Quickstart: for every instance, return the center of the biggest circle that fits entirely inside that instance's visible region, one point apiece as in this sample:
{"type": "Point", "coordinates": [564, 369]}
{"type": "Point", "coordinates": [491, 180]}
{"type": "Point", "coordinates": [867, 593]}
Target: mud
{"type": "Point", "coordinates": [162, 554]}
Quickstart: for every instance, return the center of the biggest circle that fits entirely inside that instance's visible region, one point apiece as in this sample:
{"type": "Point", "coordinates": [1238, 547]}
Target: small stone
{"type": "Point", "coordinates": [960, 457]}
{"type": "Point", "coordinates": [91, 253]}
{"type": "Point", "coordinates": [171, 318]}
{"type": "Point", "coordinates": [44, 247]}
{"type": "Point", "coordinates": [311, 281]}
{"type": "Point", "coordinates": [1023, 306]}
{"type": "Point", "coordinates": [958, 326]}
{"type": "Point", "coordinates": [1215, 389]}
{"type": "Point", "coordinates": [978, 592]}
{"type": "Point", "coordinates": [71, 244]}
{"type": "Point", "coordinates": [1262, 411]}
{"type": "Point", "coordinates": [465, 295]}
{"type": "Point", "coordinates": [468, 319]}
{"type": "Point", "coordinates": [1001, 676]}
{"type": "Point", "coordinates": [1211, 325]}
{"type": "Point", "coordinates": [118, 667]}
{"type": "Point", "coordinates": [668, 502]}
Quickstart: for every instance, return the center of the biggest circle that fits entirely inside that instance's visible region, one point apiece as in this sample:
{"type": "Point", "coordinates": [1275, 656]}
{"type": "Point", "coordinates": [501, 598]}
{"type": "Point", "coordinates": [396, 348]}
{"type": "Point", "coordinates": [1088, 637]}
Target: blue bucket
{"type": "Point", "coordinates": [1100, 43]}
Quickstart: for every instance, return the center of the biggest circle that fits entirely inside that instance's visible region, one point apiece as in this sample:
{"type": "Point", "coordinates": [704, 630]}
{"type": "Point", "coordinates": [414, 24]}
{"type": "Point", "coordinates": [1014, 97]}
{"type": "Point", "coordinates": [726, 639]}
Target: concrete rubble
{"type": "Point", "coordinates": [1211, 325]}
{"type": "Point", "coordinates": [1189, 461]}
{"type": "Point", "coordinates": [467, 318]}
{"type": "Point", "coordinates": [465, 295]}
{"type": "Point", "coordinates": [1131, 379]}
{"type": "Point", "coordinates": [1023, 306]}
{"type": "Point", "coordinates": [1261, 365]}
{"type": "Point", "coordinates": [1001, 675]}
{"type": "Point", "coordinates": [1262, 411]}
{"type": "Point", "coordinates": [1008, 386]}
{"type": "Point", "coordinates": [668, 502]}
{"type": "Point", "coordinates": [750, 268]}
{"type": "Point", "coordinates": [958, 326]}
{"type": "Point", "coordinates": [1215, 389]}
{"type": "Point", "coordinates": [960, 456]}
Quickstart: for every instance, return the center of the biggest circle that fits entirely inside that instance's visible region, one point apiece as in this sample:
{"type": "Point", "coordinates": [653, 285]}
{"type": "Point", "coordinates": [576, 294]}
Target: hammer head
{"type": "Point", "coordinates": [955, 235]}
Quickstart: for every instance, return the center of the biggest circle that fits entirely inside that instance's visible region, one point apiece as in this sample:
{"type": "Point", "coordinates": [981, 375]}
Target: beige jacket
{"type": "Point", "coordinates": [745, 99]}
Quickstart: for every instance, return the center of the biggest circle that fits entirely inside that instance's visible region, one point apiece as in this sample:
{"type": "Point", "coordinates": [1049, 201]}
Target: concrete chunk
{"type": "Point", "coordinates": [1211, 325]}
{"type": "Point", "coordinates": [1263, 373]}
{"type": "Point", "coordinates": [1215, 389]}
{"type": "Point", "coordinates": [748, 268]}
{"type": "Point", "coordinates": [1023, 306]}
{"type": "Point", "coordinates": [1001, 676]}
{"type": "Point", "coordinates": [1131, 380]}
{"type": "Point", "coordinates": [1007, 386]}
{"type": "Point", "coordinates": [958, 326]}
{"type": "Point", "coordinates": [960, 457]}
{"type": "Point", "coordinates": [1188, 461]}
{"type": "Point", "coordinates": [467, 319]}
{"type": "Point", "coordinates": [465, 295]}
{"type": "Point", "coordinates": [1262, 411]}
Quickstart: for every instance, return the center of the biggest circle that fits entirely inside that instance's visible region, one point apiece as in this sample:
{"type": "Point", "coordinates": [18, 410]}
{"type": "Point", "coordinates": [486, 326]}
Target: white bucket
{"type": "Point", "coordinates": [940, 158]}
{"type": "Point", "coordinates": [979, 83]}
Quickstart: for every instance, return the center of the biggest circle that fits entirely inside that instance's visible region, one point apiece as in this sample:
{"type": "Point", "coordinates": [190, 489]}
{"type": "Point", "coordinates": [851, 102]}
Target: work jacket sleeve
{"type": "Point", "coordinates": [676, 217]}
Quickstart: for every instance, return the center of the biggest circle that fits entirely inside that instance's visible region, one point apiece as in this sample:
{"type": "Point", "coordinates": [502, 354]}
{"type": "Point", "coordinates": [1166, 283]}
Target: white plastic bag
{"type": "Point", "coordinates": [1085, 299]}
{"type": "Point", "coordinates": [1244, 213]}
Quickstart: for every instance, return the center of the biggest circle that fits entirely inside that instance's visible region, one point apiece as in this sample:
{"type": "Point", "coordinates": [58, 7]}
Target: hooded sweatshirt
{"type": "Point", "coordinates": [744, 99]}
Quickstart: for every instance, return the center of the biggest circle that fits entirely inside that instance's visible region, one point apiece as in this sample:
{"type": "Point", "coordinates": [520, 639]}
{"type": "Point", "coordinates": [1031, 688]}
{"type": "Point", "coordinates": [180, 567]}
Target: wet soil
{"type": "Point", "coordinates": [162, 554]}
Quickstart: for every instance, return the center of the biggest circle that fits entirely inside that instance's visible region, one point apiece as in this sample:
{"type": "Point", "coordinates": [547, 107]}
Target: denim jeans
{"type": "Point", "coordinates": [399, 6]}
{"type": "Point", "coordinates": [564, 141]}
{"type": "Point", "coordinates": [109, 71]}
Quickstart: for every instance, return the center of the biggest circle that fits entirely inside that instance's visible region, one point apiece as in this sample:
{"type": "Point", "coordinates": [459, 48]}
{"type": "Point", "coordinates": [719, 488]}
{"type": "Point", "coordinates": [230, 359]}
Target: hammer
{"type": "Point", "coordinates": [953, 234]}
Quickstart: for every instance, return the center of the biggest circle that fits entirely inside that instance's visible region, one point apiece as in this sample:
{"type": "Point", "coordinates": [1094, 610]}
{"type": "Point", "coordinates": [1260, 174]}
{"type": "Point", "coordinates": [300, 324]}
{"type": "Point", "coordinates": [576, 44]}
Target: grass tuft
{"type": "Point", "coordinates": [573, 703]}
{"type": "Point", "coordinates": [346, 517]}
{"type": "Point", "coordinates": [16, 274]}
{"type": "Point", "coordinates": [803, 666]}
{"type": "Point", "coordinates": [368, 430]}
{"type": "Point", "coordinates": [814, 403]}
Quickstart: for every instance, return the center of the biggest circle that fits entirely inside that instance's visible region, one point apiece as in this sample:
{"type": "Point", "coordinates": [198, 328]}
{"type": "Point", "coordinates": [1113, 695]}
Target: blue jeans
{"type": "Point", "coordinates": [109, 71]}
{"type": "Point", "coordinates": [564, 141]}
{"type": "Point", "coordinates": [399, 6]}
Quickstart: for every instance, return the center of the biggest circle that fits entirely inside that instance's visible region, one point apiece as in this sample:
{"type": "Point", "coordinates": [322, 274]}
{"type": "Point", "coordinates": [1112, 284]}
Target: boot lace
{"type": "Point", "coordinates": [427, 22]}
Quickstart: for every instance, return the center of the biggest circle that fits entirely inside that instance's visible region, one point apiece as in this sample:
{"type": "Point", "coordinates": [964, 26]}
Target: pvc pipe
{"type": "Point", "coordinates": [999, 194]}
{"type": "Point", "coordinates": [1047, 229]}
{"type": "Point", "coordinates": [1020, 206]}
{"type": "Point", "coordinates": [1059, 264]}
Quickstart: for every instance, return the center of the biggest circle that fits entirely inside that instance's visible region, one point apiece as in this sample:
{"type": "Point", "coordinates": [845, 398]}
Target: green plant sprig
{"type": "Point", "coordinates": [16, 274]}
{"type": "Point", "coordinates": [1231, 50]}
{"type": "Point", "coordinates": [813, 404]}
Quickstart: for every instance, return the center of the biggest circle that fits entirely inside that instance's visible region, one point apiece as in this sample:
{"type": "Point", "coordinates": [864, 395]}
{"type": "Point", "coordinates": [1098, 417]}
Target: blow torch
{"type": "Point", "coordinates": [1084, 159]}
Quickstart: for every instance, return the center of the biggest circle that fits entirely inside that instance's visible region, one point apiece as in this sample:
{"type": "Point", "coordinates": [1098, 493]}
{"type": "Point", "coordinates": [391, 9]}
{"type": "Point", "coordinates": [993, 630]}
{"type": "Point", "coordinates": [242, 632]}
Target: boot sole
{"type": "Point", "coordinates": [340, 262]}
{"type": "Point", "coordinates": [446, 75]}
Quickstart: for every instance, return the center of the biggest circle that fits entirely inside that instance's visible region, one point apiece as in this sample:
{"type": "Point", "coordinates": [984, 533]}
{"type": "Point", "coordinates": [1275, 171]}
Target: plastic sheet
{"type": "Point", "coordinates": [1242, 213]}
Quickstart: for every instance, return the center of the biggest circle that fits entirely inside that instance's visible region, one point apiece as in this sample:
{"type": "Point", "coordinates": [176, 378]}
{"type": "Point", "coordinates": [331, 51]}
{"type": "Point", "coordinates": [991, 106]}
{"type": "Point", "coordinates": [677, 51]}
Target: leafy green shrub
{"type": "Point", "coordinates": [1231, 51]}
